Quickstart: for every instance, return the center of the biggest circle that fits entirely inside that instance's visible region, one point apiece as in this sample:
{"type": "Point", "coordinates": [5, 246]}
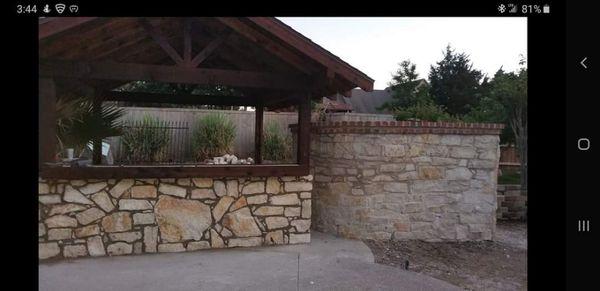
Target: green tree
{"type": "Point", "coordinates": [454, 83]}
{"type": "Point", "coordinates": [407, 89]}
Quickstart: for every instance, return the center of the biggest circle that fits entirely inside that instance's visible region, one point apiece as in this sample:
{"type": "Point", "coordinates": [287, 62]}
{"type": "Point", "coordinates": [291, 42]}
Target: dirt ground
{"type": "Point", "coordinates": [489, 265]}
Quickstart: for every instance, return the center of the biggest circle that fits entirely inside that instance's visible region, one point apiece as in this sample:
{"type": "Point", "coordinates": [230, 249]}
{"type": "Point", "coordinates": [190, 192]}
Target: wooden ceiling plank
{"type": "Point", "coordinates": [60, 24]}
{"type": "Point", "coordinates": [187, 40]}
{"type": "Point", "coordinates": [161, 40]}
{"type": "Point", "coordinates": [208, 50]}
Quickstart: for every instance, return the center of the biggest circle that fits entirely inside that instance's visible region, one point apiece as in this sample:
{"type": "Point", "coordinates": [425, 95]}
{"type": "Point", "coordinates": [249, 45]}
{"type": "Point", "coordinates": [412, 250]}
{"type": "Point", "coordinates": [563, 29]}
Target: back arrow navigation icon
{"type": "Point", "coordinates": [583, 62]}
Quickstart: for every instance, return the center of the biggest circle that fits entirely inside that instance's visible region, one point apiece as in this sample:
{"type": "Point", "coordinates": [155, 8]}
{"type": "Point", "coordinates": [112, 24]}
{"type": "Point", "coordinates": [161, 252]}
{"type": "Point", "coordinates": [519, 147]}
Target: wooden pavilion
{"type": "Point", "coordinates": [272, 66]}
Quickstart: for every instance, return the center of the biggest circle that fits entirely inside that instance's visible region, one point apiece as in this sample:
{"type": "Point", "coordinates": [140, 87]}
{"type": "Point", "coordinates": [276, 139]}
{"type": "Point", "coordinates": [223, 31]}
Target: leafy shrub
{"type": "Point", "coordinates": [424, 111]}
{"type": "Point", "coordinates": [213, 136]}
{"type": "Point", "coordinates": [145, 140]}
{"type": "Point", "coordinates": [276, 147]}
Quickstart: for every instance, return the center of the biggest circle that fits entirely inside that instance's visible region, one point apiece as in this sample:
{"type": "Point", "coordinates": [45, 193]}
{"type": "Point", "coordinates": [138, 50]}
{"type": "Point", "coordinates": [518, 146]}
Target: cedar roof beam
{"type": "Point", "coordinates": [208, 50]}
{"type": "Point", "coordinates": [169, 74]}
{"type": "Point", "coordinates": [267, 43]}
{"type": "Point", "coordinates": [53, 25]}
{"type": "Point", "coordinates": [187, 40]}
{"type": "Point", "coordinates": [161, 40]}
{"type": "Point", "coordinates": [189, 99]}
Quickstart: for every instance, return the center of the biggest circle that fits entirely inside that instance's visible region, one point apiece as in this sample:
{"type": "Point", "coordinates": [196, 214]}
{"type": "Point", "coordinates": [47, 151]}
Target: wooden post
{"type": "Point", "coordinates": [96, 142]}
{"type": "Point", "coordinates": [258, 133]}
{"type": "Point", "coordinates": [47, 120]}
{"type": "Point", "coordinates": [304, 130]}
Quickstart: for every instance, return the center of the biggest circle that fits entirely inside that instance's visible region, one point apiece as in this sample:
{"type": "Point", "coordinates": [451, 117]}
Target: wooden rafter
{"type": "Point", "coordinates": [190, 99]}
{"type": "Point", "coordinates": [161, 40]}
{"type": "Point", "coordinates": [187, 40]}
{"type": "Point", "coordinates": [208, 50]}
{"type": "Point", "coordinates": [170, 74]}
{"type": "Point", "coordinates": [55, 25]}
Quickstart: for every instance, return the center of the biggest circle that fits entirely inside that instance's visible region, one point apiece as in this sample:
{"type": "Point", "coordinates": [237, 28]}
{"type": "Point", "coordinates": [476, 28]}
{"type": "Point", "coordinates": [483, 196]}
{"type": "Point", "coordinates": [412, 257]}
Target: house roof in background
{"type": "Point", "coordinates": [366, 102]}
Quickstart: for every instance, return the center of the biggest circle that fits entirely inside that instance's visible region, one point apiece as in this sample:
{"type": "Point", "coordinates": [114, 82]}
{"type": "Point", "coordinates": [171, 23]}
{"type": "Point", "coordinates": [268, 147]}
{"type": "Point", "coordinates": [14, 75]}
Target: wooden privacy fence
{"type": "Point", "coordinates": [243, 145]}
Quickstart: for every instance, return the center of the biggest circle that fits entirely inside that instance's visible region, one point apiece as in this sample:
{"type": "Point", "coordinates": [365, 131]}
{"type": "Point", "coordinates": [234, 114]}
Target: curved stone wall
{"type": "Point", "coordinates": [132, 216]}
{"type": "Point", "coordinates": [405, 180]}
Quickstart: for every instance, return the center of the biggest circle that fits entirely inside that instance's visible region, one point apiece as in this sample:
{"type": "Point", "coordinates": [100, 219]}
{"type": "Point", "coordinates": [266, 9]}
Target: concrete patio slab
{"type": "Point", "coordinates": [327, 263]}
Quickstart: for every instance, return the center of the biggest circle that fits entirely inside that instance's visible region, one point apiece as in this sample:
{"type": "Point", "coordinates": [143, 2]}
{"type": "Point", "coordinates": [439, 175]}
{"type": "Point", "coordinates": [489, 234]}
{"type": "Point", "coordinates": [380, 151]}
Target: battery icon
{"type": "Point", "coordinates": [546, 8]}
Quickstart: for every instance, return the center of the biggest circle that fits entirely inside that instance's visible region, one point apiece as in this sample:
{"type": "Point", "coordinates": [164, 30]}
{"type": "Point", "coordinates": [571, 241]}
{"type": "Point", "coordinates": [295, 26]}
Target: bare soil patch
{"type": "Point", "coordinates": [488, 265]}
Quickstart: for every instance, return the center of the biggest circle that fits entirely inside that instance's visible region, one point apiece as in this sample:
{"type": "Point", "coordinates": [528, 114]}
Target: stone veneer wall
{"type": "Point", "coordinates": [405, 180]}
{"type": "Point", "coordinates": [512, 203]}
{"type": "Point", "coordinates": [131, 216]}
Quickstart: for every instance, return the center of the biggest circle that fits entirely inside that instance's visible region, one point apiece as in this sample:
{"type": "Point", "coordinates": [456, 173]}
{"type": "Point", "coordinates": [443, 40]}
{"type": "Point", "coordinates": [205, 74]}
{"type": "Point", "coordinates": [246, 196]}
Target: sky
{"type": "Point", "coordinates": [375, 45]}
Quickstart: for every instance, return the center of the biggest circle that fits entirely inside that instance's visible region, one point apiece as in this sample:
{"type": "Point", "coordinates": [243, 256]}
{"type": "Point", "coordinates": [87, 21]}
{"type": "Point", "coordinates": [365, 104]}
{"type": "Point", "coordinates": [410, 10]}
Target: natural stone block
{"type": "Point", "coordinates": [78, 183]}
{"type": "Point", "coordinates": [143, 218]}
{"type": "Point", "coordinates": [117, 222]}
{"type": "Point", "coordinates": [232, 188]}
{"type": "Point", "coordinates": [184, 182]}
{"type": "Point", "coordinates": [301, 225]}
{"type": "Point", "coordinates": [396, 187]}
{"type": "Point", "coordinates": [221, 207]}
{"type": "Point", "coordinates": [254, 188]}
{"type": "Point", "coordinates": [60, 233]}
{"type": "Point", "coordinates": [203, 182]}
{"type": "Point", "coordinates": [206, 193]}
{"type": "Point", "coordinates": [144, 191]}
{"type": "Point", "coordinates": [298, 186]}
{"type": "Point", "coordinates": [463, 152]}
{"type": "Point", "coordinates": [198, 245]}
{"type": "Point", "coordinates": [285, 199]}
{"type": "Point", "coordinates": [274, 237]}
{"type": "Point", "coordinates": [96, 246]}
{"type": "Point", "coordinates": [138, 247]}
{"type": "Point", "coordinates": [92, 188]}
{"type": "Point", "coordinates": [119, 248]}
{"type": "Point", "coordinates": [60, 221]}
{"type": "Point", "coordinates": [43, 188]}
{"type": "Point", "coordinates": [134, 204]}
{"type": "Point", "coordinates": [89, 216]}
{"type": "Point", "coordinates": [274, 222]}
{"type": "Point", "coordinates": [241, 202]}
{"type": "Point", "coordinates": [174, 217]}
{"type": "Point", "coordinates": [268, 210]}
{"type": "Point", "coordinates": [431, 173]}
{"type": "Point", "coordinates": [382, 178]}
{"type": "Point", "coordinates": [103, 201]}
{"type": "Point", "coordinates": [459, 174]}
{"type": "Point", "coordinates": [226, 233]}
{"type": "Point", "coordinates": [150, 238]}
{"type": "Point", "coordinates": [273, 185]}
{"type": "Point", "coordinates": [220, 188]}
{"type": "Point", "coordinates": [245, 242]}
{"type": "Point", "coordinates": [73, 195]}
{"type": "Point", "coordinates": [65, 209]}
{"type": "Point", "coordinates": [306, 209]}
{"type": "Point", "coordinates": [121, 187]}
{"type": "Point", "coordinates": [257, 199]}
{"type": "Point", "coordinates": [215, 239]}
{"type": "Point", "coordinates": [241, 223]}
{"type": "Point", "coordinates": [41, 229]}
{"type": "Point", "coordinates": [305, 195]}
{"type": "Point", "coordinates": [87, 231]}
{"type": "Point", "coordinates": [292, 211]}
{"type": "Point", "coordinates": [49, 199]}
{"type": "Point", "coordinates": [48, 250]}
{"type": "Point", "coordinates": [299, 238]}
{"type": "Point", "coordinates": [393, 150]}
{"type": "Point", "coordinates": [74, 251]}
{"type": "Point", "coordinates": [125, 236]}
{"type": "Point", "coordinates": [172, 190]}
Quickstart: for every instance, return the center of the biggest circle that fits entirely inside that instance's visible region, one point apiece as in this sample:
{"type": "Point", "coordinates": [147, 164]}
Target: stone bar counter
{"type": "Point", "coordinates": [109, 217]}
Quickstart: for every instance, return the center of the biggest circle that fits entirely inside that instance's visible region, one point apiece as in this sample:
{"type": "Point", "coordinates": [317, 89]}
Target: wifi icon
{"type": "Point", "coordinates": [60, 8]}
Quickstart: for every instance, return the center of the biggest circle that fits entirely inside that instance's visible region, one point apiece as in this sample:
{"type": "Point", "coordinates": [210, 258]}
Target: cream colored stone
{"type": "Point", "coordinates": [301, 225]}
{"type": "Point", "coordinates": [226, 233]}
{"type": "Point", "coordinates": [73, 195]}
{"type": "Point", "coordinates": [118, 249]}
{"type": "Point", "coordinates": [220, 188]}
{"type": "Point", "coordinates": [60, 233]}
{"type": "Point", "coordinates": [299, 238]}
{"type": "Point", "coordinates": [78, 183]}
{"type": "Point", "coordinates": [285, 199]}
{"type": "Point", "coordinates": [203, 182]}
{"type": "Point", "coordinates": [203, 194]}
{"type": "Point", "coordinates": [254, 188]}
{"type": "Point", "coordinates": [121, 187]}
{"type": "Point", "coordinates": [198, 245]}
{"type": "Point", "coordinates": [172, 190]}
{"type": "Point", "coordinates": [245, 242]}
{"type": "Point", "coordinates": [306, 209]}
{"type": "Point", "coordinates": [298, 186]}
{"type": "Point", "coordinates": [274, 237]}
{"type": "Point", "coordinates": [117, 222]}
{"type": "Point", "coordinates": [125, 236]}
{"type": "Point", "coordinates": [241, 202]}
{"type": "Point", "coordinates": [150, 239]}
{"type": "Point", "coordinates": [171, 248]}
{"type": "Point", "coordinates": [103, 201]}
{"type": "Point", "coordinates": [144, 191]}
{"type": "Point", "coordinates": [305, 195]}
{"type": "Point", "coordinates": [92, 188]}
{"type": "Point", "coordinates": [49, 199]}
{"type": "Point", "coordinates": [184, 182]}
{"type": "Point", "coordinates": [292, 211]}
{"type": "Point", "coordinates": [86, 231]}
{"type": "Point", "coordinates": [396, 187]}
{"type": "Point", "coordinates": [273, 185]}
{"type": "Point", "coordinates": [96, 246]}
{"type": "Point", "coordinates": [89, 216]}
{"type": "Point", "coordinates": [181, 219]}
{"type": "Point", "coordinates": [232, 188]}
{"type": "Point", "coordinates": [143, 218]}
{"type": "Point", "coordinates": [215, 240]}
{"type": "Point", "coordinates": [134, 204]}
{"type": "Point", "coordinates": [257, 199]}
{"type": "Point", "coordinates": [48, 250]}
{"type": "Point", "coordinates": [241, 223]}
{"type": "Point", "coordinates": [43, 188]}
{"type": "Point", "coordinates": [221, 208]}
{"type": "Point", "coordinates": [74, 251]}
{"type": "Point", "coordinates": [58, 221]}
{"type": "Point", "coordinates": [138, 247]}
{"type": "Point", "coordinates": [269, 210]}
{"type": "Point", "coordinates": [274, 222]}
{"type": "Point", "coordinates": [41, 229]}
{"type": "Point", "coordinates": [65, 209]}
